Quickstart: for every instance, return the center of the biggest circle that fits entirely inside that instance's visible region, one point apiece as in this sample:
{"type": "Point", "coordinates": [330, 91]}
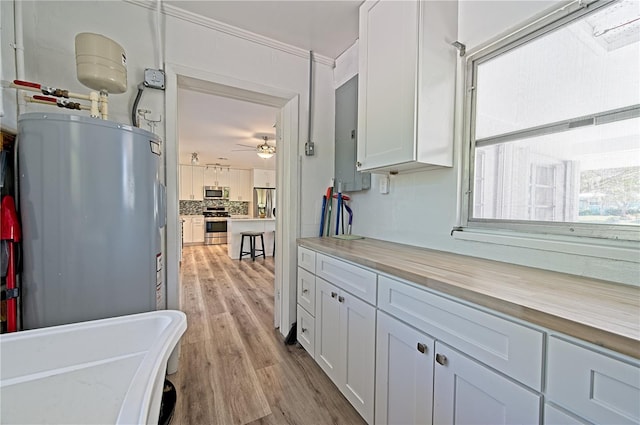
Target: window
{"type": "Point", "coordinates": [554, 125]}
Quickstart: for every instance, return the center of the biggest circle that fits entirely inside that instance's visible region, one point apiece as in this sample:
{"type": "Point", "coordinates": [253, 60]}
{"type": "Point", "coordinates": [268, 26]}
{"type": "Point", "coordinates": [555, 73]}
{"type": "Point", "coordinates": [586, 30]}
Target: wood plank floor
{"type": "Point", "coordinates": [234, 367]}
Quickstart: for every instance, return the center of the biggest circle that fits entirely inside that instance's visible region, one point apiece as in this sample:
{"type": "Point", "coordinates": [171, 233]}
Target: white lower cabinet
{"type": "Point", "coordinates": [305, 330]}
{"type": "Point", "coordinates": [438, 360]}
{"type": "Point", "coordinates": [404, 373]}
{"type": "Point", "coordinates": [192, 229]}
{"type": "Point", "coordinates": [466, 392]}
{"type": "Point", "coordinates": [345, 344]}
{"type": "Point", "coordinates": [555, 416]}
{"type": "Point", "coordinates": [593, 385]}
{"type": "Point", "coordinates": [328, 329]}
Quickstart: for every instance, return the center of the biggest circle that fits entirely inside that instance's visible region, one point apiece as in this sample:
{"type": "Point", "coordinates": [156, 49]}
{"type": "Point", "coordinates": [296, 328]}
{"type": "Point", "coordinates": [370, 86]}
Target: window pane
{"type": "Point", "coordinates": [587, 175]}
{"type": "Point", "coordinates": [588, 66]}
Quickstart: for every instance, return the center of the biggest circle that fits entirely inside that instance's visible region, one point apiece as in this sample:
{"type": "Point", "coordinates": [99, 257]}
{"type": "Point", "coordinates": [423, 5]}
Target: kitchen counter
{"type": "Point", "coordinates": [237, 225]}
{"type": "Point", "coordinates": [597, 311]}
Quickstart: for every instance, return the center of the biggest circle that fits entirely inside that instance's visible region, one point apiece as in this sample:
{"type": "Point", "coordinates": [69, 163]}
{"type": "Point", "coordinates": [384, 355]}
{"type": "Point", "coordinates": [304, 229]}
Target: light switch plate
{"type": "Point", "coordinates": [154, 78]}
{"type": "Point", "coordinates": [384, 185]}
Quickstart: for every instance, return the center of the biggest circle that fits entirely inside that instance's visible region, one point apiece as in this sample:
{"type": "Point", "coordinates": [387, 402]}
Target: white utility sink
{"type": "Point", "coordinates": [108, 371]}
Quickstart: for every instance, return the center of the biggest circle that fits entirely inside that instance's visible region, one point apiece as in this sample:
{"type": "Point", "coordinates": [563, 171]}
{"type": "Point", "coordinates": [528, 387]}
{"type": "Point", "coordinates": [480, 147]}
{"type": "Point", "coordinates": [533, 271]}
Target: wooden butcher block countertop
{"type": "Point", "coordinates": [603, 313]}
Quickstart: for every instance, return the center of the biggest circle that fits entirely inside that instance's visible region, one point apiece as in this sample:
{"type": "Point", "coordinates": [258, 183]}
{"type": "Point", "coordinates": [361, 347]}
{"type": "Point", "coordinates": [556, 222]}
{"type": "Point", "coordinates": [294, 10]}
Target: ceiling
{"type": "Point", "coordinates": [324, 26]}
{"type": "Point", "coordinates": [213, 125]}
{"type": "Point", "coordinates": [223, 131]}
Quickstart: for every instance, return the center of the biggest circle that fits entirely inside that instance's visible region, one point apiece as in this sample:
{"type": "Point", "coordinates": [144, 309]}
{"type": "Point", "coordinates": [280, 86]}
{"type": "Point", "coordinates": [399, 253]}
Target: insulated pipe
{"type": "Point", "coordinates": [104, 105]}
{"type": "Point", "coordinates": [159, 34]}
{"type": "Point", "coordinates": [52, 101]}
{"type": "Point", "coordinates": [19, 48]}
{"type": "Point", "coordinates": [37, 87]}
{"type": "Point", "coordinates": [310, 92]}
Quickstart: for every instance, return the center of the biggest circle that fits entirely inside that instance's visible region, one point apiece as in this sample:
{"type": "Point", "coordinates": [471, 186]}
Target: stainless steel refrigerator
{"type": "Point", "coordinates": [264, 202]}
{"type": "Point", "coordinates": [93, 209]}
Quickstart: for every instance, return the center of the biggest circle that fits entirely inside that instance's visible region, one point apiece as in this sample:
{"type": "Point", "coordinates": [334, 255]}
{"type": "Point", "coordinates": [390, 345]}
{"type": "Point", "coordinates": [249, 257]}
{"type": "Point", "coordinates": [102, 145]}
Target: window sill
{"type": "Point", "coordinates": [588, 247]}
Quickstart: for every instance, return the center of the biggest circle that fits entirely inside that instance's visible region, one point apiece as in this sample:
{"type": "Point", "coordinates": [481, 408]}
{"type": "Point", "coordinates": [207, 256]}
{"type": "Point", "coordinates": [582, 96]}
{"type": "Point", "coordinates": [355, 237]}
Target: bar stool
{"type": "Point", "coordinates": [252, 245]}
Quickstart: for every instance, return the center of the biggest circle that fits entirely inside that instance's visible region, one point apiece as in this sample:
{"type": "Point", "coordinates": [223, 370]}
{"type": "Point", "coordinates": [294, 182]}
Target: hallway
{"type": "Point", "coordinates": [234, 367]}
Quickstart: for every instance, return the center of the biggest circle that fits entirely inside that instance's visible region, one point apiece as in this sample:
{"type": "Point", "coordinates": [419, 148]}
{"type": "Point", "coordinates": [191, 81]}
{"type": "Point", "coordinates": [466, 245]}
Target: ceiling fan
{"type": "Point", "coordinates": [264, 150]}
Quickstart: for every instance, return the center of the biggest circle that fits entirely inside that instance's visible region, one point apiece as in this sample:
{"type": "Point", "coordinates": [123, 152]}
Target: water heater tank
{"type": "Point", "coordinates": [101, 63]}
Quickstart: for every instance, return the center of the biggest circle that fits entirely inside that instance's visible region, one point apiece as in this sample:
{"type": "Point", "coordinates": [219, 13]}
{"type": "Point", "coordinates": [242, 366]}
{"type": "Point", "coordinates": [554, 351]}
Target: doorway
{"type": "Point", "coordinates": [287, 176]}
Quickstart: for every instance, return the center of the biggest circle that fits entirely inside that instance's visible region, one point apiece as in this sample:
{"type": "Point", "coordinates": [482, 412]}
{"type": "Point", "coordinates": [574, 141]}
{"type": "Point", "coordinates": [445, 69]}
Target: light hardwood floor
{"type": "Point", "coordinates": [234, 367]}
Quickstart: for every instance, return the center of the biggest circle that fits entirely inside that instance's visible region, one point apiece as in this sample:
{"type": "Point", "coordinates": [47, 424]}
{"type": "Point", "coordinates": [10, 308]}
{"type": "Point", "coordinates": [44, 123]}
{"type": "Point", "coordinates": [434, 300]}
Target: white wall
{"type": "Point", "coordinates": [421, 208]}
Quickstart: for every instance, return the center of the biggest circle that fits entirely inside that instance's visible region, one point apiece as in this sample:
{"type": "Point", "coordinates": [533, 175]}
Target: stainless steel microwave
{"type": "Point", "coordinates": [216, 192]}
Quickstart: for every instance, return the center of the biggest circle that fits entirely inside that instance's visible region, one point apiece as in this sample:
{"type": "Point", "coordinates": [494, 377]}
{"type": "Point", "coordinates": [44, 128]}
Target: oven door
{"type": "Point", "coordinates": [215, 232]}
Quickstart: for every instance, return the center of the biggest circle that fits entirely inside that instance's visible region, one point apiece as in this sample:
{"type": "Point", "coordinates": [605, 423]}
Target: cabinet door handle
{"type": "Point", "coordinates": [422, 348]}
{"type": "Point", "coordinates": [442, 359]}
{"type": "Point", "coordinates": [304, 291]}
{"type": "Point", "coordinates": [304, 330]}
{"type": "Point", "coordinates": [334, 294]}
{"type": "Point", "coordinates": [341, 299]}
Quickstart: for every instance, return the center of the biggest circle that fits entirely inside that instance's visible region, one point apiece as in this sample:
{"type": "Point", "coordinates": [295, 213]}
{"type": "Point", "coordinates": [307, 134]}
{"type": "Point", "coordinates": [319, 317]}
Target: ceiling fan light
{"type": "Point", "coordinates": [265, 151]}
{"type": "Point", "coordinates": [265, 155]}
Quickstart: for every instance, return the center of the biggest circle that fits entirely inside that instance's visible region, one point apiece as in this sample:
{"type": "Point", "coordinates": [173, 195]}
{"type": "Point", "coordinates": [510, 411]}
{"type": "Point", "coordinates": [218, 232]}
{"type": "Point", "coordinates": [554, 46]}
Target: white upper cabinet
{"type": "Point", "coordinates": [217, 176]}
{"type": "Point", "coordinates": [406, 85]}
{"type": "Point", "coordinates": [191, 183]}
{"type": "Point", "coordinates": [239, 185]}
{"type": "Point", "coordinates": [244, 186]}
{"type": "Point", "coordinates": [264, 178]}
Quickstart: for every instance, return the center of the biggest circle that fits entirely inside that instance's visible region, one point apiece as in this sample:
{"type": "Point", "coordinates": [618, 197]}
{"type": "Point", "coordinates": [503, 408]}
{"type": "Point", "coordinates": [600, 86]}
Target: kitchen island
{"type": "Point", "coordinates": [237, 225]}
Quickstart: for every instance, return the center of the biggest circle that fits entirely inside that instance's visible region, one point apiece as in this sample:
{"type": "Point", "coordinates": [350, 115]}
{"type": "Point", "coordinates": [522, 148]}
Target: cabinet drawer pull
{"type": "Point", "coordinates": [334, 294]}
{"type": "Point", "coordinates": [442, 359]}
{"type": "Point", "coordinates": [422, 348]}
{"type": "Point", "coordinates": [341, 299]}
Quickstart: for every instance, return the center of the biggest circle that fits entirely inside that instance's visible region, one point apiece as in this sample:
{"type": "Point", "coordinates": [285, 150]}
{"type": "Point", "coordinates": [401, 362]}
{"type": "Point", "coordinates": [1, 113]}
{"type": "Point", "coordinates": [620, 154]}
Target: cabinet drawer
{"type": "Point", "coordinates": [353, 279]}
{"type": "Point", "coordinates": [593, 385]}
{"type": "Point", "coordinates": [307, 291]}
{"type": "Point", "coordinates": [511, 348]}
{"type": "Point", "coordinates": [305, 331]}
{"type": "Point", "coordinates": [307, 259]}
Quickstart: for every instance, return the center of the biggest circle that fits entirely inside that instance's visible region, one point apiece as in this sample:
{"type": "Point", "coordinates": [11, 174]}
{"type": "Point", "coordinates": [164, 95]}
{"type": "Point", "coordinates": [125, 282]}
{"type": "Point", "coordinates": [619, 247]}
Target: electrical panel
{"type": "Point", "coordinates": [346, 139]}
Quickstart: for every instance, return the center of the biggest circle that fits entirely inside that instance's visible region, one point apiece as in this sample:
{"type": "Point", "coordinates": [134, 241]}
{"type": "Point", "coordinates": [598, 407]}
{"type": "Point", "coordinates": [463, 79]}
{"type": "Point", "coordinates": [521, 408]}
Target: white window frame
{"type": "Point", "coordinates": [558, 231]}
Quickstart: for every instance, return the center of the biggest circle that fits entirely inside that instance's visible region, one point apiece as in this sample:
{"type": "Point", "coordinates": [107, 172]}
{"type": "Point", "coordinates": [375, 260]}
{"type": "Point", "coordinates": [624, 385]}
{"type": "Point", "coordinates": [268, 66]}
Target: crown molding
{"type": "Point", "coordinates": [203, 21]}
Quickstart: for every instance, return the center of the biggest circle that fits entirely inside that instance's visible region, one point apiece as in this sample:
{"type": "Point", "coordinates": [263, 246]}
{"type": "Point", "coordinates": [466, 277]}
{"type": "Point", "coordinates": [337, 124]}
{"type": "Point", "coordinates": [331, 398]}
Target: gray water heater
{"type": "Point", "coordinates": [93, 208]}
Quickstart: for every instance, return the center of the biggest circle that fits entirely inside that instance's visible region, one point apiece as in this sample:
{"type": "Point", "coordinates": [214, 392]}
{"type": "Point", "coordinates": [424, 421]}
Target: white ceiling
{"type": "Point", "coordinates": [324, 26]}
{"type": "Point", "coordinates": [213, 125]}
{"type": "Point", "coordinates": [218, 127]}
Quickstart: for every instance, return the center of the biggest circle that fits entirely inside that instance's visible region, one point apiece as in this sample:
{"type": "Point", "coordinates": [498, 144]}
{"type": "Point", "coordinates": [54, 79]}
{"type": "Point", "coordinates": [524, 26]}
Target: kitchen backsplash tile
{"type": "Point", "coordinates": [196, 207]}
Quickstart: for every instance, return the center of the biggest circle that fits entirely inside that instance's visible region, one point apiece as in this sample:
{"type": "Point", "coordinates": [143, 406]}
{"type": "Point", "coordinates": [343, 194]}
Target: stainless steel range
{"type": "Point", "coordinates": [215, 225]}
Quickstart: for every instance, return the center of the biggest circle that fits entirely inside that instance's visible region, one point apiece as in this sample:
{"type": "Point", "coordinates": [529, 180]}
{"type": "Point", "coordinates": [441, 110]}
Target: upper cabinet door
{"type": "Point", "coordinates": [406, 86]}
{"type": "Point", "coordinates": [246, 191]}
{"type": "Point", "coordinates": [224, 177]}
{"type": "Point", "coordinates": [264, 178]}
{"type": "Point", "coordinates": [387, 83]}
{"type": "Point", "coordinates": [186, 183]}
{"type": "Point", "coordinates": [198, 183]}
